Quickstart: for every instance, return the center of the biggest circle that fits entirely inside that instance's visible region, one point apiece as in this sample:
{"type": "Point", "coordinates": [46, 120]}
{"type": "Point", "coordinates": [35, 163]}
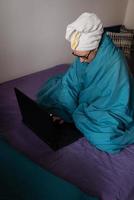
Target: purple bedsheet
{"type": "Point", "coordinates": [109, 177]}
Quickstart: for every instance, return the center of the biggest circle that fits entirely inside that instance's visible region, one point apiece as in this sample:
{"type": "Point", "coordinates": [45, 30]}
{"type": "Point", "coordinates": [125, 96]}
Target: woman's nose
{"type": "Point", "coordinates": [81, 60]}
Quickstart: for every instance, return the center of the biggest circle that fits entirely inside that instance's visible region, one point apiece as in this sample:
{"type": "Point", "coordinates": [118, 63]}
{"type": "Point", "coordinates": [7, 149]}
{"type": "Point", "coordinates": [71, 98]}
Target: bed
{"type": "Point", "coordinates": [108, 177]}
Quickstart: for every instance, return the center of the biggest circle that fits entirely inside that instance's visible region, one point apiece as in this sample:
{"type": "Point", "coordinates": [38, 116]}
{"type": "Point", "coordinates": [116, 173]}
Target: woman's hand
{"type": "Point", "coordinates": [56, 119]}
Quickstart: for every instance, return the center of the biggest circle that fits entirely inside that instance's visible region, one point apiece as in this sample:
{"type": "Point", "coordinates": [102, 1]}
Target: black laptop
{"type": "Point", "coordinates": [40, 122]}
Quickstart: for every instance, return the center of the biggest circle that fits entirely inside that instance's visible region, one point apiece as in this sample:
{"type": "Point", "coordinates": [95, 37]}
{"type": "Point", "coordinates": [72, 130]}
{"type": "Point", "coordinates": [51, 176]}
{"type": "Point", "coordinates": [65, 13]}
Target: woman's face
{"type": "Point", "coordinates": [85, 56]}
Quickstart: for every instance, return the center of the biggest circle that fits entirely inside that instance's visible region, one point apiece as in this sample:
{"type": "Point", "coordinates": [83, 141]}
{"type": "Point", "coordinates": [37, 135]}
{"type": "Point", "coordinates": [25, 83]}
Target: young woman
{"type": "Point", "coordinates": [97, 91]}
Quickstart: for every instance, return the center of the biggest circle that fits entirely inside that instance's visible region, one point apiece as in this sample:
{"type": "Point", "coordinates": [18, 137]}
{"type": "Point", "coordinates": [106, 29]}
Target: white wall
{"type": "Point", "coordinates": [129, 17]}
{"type": "Point", "coordinates": [32, 31]}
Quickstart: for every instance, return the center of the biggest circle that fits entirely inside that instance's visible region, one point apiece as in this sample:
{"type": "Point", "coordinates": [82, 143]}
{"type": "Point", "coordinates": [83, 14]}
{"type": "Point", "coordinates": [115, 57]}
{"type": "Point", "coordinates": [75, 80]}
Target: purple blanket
{"type": "Point", "coordinates": [109, 177]}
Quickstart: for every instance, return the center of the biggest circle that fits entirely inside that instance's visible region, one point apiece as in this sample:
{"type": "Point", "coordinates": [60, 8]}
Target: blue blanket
{"type": "Point", "coordinates": [21, 179]}
{"type": "Point", "coordinates": [97, 96]}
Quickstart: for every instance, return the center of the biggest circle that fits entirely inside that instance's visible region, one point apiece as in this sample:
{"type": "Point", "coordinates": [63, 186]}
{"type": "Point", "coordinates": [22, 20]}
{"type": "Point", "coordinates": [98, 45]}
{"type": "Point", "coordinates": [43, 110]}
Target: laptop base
{"type": "Point", "coordinates": [39, 121]}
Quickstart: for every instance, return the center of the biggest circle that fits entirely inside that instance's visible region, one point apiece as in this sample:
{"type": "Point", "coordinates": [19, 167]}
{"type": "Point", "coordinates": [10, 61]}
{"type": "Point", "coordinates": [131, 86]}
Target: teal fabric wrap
{"type": "Point", "coordinates": [21, 179]}
{"type": "Point", "coordinates": [97, 96]}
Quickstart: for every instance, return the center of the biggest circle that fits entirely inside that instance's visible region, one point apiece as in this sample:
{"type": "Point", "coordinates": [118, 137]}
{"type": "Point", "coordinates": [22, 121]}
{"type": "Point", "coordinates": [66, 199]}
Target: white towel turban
{"type": "Point", "coordinates": [85, 32]}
